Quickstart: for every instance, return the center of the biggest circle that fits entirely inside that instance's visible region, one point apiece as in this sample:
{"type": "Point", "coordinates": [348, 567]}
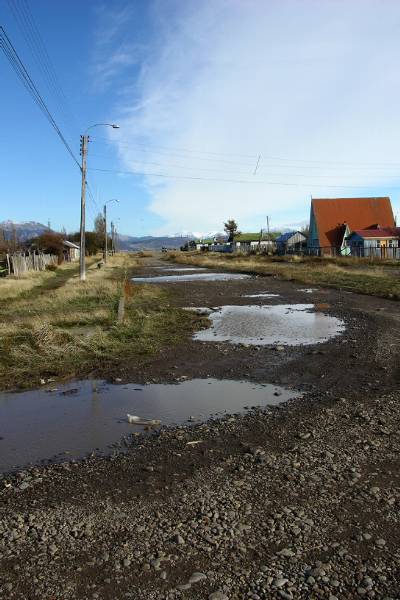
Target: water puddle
{"type": "Point", "coordinates": [191, 277]}
{"type": "Point", "coordinates": [308, 290]}
{"type": "Point", "coordinates": [261, 295]}
{"type": "Point", "coordinates": [286, 324]}
{"type": "Point", "coordinates": [80, 417]}
{"type": "Point", "coordinates": [180, 268]}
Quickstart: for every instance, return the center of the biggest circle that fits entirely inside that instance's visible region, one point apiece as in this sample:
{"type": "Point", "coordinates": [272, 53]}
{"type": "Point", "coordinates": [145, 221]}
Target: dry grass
{"type": "Point", "coordinates": [357, 275]}
{"type": "Point", "coordinates": [11, 287]}
{"type": "Point", "coordinates": [65, 327]}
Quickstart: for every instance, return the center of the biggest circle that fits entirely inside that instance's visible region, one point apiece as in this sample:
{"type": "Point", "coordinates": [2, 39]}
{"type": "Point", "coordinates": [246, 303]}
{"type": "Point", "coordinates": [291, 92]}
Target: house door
{"type": "Point", "coordinates": [384, 245]}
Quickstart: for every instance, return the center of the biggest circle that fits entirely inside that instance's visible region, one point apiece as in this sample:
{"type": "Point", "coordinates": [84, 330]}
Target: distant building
{"type": "Point", "coordinates": [381, 242]}
{"type": "Point", "coordinates": [291, 242]}
{"type": "Point", "coordinates": [333, 219]}
{"type": "Point", "coordinates": [204, 244]}
{"type": "Point", "coordinates": [71, 251]}
{"type": "Point", "coordinates": [245, 242]}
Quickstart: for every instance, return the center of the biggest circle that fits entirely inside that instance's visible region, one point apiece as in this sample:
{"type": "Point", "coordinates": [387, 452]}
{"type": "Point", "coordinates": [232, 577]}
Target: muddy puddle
{"type": "Point", "coordinates": [87, 416]}
{"type": "Point", "coordinates": [191, 277]}
{"type": "Point", "coordinates": [286, 324]}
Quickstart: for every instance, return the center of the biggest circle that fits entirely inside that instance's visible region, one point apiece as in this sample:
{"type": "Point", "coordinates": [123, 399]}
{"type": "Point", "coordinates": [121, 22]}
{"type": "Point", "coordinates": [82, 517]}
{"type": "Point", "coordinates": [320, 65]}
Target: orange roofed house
{"type": "Point", "coordinates": [332, 221]}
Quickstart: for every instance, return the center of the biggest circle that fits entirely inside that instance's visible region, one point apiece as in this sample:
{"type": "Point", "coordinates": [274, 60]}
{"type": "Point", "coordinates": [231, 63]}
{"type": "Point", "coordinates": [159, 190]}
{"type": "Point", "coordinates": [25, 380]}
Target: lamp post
{"type": "Point", "coordinates": [84, 149]}
{"type": "Point", "coordinates": [105, 226]}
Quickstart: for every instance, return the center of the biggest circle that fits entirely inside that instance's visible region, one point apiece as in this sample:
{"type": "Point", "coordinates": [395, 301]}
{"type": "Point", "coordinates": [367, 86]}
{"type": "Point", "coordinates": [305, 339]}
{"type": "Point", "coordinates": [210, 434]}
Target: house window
{"type": "Point", "coordinates": [378, 243]}
{"type": "Point", "coordinates": [390, 243]}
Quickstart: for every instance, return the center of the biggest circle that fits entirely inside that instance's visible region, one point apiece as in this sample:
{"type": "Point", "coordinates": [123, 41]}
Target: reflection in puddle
{"type": "Point", "coordinates": [191, 277]}
{"type": "Point", "coordinates": [261, 295]}
{"type": "Point", "coordinates": [288, 324]}
{"type": "Point", "coordinates": [83, 416]}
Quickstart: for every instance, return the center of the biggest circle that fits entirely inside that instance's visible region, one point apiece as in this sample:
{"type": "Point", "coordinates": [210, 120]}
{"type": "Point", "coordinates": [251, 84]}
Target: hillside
{"type": "Point", "coordinates": [25, 230]}
{"type": "Point", "coordinates": [127, 242]}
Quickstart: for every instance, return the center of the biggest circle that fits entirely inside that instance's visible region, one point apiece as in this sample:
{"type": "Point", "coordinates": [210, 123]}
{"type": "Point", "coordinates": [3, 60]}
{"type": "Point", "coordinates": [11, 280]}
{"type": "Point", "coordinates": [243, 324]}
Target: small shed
{"type": "Point", "coordinates": [204, 244]}
{"type": "Point", "coordinates": [291, 242]}
{"type": "Point", "coordinates": [71, 251]}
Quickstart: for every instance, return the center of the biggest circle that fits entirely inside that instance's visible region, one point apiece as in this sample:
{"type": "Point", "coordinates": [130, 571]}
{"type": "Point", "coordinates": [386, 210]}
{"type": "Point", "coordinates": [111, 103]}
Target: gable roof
{"type": "Point", "coordinates": [331, 215]}
{"type": "Point", "coordinates": [284, 237]}
{"type": "Point", "coordinates": [377, 232]}
{"type": "Point", "coordinates": [70, 244]}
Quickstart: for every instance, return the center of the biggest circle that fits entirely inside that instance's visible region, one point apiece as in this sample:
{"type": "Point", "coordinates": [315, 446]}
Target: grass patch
{"type": "Point", "coordinates": [57, 326]}
{"type": "Point", "coordinates": [365, 276]}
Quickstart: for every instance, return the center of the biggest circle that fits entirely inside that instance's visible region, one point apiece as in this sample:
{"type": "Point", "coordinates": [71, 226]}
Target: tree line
{"type": "Point", "coordinates": [52, 242]}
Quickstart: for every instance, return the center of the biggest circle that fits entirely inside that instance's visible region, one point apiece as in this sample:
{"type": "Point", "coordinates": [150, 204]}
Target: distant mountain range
{"type": "Point", "coordinates": [24, 231]}
{"type": "Point", "coordinates": [127, 242]}
{"type": "Point", "coordinates": [31, 229]}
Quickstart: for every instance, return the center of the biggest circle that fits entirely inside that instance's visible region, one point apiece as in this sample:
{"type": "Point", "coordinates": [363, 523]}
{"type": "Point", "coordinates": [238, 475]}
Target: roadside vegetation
{"type": "Point", "coordinates": [53, 325]}
{"type": "Point", "coordinates": [364, 276]}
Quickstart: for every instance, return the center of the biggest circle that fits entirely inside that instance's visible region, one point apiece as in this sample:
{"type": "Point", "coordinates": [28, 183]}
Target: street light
{"type": "Point", "coordinates": [105, 226]}
{"type": "Point", "coordinates": [84, 148]}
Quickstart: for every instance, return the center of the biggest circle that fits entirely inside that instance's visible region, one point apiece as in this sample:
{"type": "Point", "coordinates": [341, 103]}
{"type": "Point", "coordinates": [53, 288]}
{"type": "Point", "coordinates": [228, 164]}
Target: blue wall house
{"type": "Point", "coordinates": [380, 242]}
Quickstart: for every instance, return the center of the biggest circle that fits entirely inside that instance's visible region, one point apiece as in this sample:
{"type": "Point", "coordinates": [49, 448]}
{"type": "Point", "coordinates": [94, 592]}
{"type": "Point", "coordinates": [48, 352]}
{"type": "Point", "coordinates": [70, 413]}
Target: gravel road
{"type": "Point", "coordinates": [295, 501]}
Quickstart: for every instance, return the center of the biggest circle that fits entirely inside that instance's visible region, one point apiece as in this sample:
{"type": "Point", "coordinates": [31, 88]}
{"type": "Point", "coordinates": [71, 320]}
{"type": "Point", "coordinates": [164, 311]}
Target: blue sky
{"type": "Point", "coordinates": [201, 90]}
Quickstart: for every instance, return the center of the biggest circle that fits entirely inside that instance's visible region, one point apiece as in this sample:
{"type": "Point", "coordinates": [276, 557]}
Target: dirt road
{"type": "Point", "coordinates": [296, 501]}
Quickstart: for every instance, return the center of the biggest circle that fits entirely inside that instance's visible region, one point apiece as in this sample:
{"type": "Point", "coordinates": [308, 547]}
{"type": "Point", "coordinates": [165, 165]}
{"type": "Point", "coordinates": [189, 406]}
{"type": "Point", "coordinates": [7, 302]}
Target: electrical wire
{"type": "Point", "coordinates": [184, 150]}
{"type": "Point", "coordinates": [22, 73]}
{"type": "Point", "coordinates": [241, 181]}
{"type": "Point", "coordinates": [236, 172]}
{"type": "Point", "coordinates": [264, 157]}
{"type": "Point", "coordinates": [29, 30]}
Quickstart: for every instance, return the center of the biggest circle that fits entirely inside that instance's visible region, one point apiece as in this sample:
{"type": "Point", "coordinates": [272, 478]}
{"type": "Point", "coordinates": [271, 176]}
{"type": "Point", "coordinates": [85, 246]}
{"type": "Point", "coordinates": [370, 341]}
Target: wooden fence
{"type": "Point", "coordinates": [17, 264]}
{"type": "Point", "coordinates": [382, 252]}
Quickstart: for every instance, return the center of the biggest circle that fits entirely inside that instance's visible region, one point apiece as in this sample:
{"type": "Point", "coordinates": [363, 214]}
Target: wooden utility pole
{"type": "Point", "coordinates": [84, 144]}
{"type": "Point", "coordinates": [105, 233]}
{"type": "Point", "coordinates": [112, 239]}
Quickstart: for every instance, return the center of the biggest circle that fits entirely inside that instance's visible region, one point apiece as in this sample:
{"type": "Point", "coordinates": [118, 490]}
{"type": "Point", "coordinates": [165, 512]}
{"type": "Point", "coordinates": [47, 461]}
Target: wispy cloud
{"type": "Point", "coordinates": [115, 49]}
{"type": "Point", "coordinates": [221, 82]}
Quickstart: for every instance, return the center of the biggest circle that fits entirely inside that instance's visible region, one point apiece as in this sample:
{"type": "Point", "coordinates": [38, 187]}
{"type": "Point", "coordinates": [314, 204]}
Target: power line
{"type": "Point", "coordinates": [27, 25]}
{"type": "Point", "coordinates": [183, 155]}
{"type": "Point", "coordinates": [247, 172]}
{"type": "Point", "coordinates": [181, 152]}
{"type": "Point", "coordinates": [22, 73]}
{"type": "Point", "coordinates": [241, 181]}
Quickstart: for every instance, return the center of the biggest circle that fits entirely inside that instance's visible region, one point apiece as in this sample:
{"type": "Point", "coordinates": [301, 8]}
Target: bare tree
{"type": "Point", "coordinates": [99, 228]}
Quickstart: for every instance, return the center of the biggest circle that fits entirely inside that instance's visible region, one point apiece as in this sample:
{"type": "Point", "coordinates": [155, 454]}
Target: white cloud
{"type": "Point", "coordinates": [306, 80]}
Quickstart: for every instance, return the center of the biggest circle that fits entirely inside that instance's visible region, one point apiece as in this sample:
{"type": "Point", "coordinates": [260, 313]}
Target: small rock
{"type": "Point", "coordinates": [286, 552]}
{"type": "Point", "coordinates": [178, 539]}
{"type": "Point", "coordinates": [197, 577]}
